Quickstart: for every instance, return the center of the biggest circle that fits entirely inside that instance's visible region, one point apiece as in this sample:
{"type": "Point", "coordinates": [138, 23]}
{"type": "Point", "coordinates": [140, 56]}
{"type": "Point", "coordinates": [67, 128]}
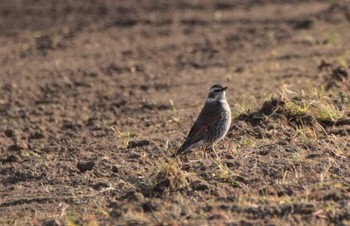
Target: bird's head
{"type": "Point", "coordinates": [216, 93]}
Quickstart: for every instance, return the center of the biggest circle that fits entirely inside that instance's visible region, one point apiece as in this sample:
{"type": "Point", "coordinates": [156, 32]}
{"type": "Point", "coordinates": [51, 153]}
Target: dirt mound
{"type": "Point", "coordinates": [296, 113]}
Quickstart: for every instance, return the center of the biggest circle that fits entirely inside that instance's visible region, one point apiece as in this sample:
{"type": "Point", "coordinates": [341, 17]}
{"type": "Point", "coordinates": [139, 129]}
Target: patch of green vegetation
{"type": "Point", "coordinates": [72, 220]}
{"type": "Point", "coordinates": [331, 38]}
{"type": "Point", "coordinates": [246, 142]}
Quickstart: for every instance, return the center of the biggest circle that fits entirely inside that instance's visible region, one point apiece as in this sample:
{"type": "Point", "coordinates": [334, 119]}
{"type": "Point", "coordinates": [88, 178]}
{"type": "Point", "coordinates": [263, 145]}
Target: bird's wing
{"type": "Point", "coordinates": [210, 115]}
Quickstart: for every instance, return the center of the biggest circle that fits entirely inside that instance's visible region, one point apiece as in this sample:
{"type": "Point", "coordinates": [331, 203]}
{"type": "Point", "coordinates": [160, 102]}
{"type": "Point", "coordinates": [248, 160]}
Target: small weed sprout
{"type": "Point", "coordinates": [127, 135]}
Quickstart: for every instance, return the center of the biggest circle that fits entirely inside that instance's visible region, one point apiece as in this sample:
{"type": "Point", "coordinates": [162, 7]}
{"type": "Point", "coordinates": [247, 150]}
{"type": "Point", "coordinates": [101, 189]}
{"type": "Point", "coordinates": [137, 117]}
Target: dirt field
{"type": "Point", "coordinates": [96, 95]}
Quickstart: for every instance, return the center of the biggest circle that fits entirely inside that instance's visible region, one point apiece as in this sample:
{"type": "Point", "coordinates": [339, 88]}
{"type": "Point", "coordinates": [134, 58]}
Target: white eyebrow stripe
{"type": "Point", "coordinates": [214, 89]}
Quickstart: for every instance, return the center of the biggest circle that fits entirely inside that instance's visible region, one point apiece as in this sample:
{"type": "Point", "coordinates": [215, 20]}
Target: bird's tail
{"type": "Point", "coordinates": [178, 152]}
{"type": "Point", "coordinates": [182, 150]}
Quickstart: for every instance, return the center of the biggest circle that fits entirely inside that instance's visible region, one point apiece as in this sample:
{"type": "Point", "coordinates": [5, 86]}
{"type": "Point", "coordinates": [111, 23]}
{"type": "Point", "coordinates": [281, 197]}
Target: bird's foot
{"type": "Point", "coordinates": [212, 148]}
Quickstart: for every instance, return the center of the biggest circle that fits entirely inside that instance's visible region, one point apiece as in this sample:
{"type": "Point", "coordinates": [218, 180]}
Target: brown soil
{"type": "Point", "coordinates": [96, 95]}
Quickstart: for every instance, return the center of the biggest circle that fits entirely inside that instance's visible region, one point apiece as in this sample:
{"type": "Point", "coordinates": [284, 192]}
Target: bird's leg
{"type": "Point", "coordinates": [213, 149]}
{"type": "Point", "coordinates": [205, 153]}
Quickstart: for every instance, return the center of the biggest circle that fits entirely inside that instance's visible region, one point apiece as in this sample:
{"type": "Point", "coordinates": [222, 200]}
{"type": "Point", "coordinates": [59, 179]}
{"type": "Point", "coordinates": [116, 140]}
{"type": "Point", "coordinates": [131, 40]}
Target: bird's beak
{"type": "Point", "coordinates": [224, 88]}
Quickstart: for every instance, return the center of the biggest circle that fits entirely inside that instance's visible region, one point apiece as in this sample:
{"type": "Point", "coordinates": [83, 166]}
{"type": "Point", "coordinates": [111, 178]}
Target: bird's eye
{"type": "Point", "coordinates": [216, 91]}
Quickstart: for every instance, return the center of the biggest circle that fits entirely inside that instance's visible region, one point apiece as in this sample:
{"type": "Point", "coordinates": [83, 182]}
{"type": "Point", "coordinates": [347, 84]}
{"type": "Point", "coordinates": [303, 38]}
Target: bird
{"type": "Point", "coordinates": [212, 123]}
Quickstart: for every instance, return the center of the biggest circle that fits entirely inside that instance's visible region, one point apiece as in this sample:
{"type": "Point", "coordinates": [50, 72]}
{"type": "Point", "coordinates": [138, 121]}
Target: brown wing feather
{"type": "Point", "coordinates": [209, 116]}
